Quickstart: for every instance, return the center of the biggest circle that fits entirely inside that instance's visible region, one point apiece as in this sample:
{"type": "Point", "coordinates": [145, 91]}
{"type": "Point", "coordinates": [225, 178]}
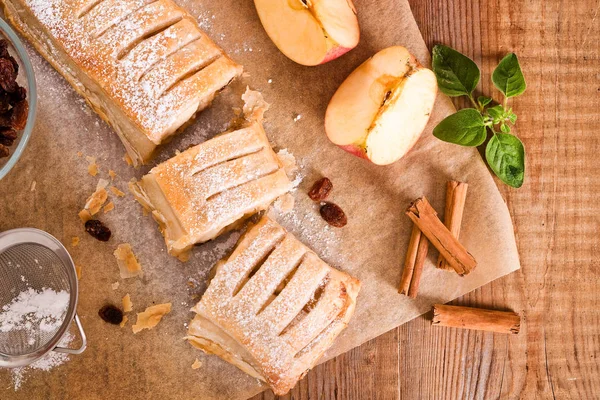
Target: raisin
{"type": "Point", "coordinates": [320, 189]}
{"type": "Point", "coordinates": [333, 215]}
{"type": "Point", "coordinates": [19, 94]}
{"type": "Point", "coordinates": [98, 230]}
{"type": "Point", "coordinates": [18, 117]}
{"type": "Point", "coordinates": [4, 48]}
{"type": "Point", "coordinates": [5, 102]}
{"type": "Point", "coordinates": [111, 314]}
{"type": "Point", "coordinates": [8, 136]}
{"type": "Point", "coordinates": [8, 75]}
{"type": "Point", "coordinates": [4, 151]}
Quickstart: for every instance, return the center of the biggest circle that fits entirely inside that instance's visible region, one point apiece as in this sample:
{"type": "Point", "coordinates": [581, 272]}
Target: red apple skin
{"type": "Point", "coordinates": [335, 53]}
{"type": "Point", "coordinates": [355, 151]}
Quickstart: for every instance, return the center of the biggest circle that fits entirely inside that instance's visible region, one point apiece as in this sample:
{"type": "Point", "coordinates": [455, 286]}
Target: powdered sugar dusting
{"type": "Point", "coordinates": [34, 311]}
{"type": "Point", "coordinates": [46, 363]}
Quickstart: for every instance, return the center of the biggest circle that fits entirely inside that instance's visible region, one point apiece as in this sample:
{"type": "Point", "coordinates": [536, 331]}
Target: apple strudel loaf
{"type": "Point", "coordinates": [273, 307]}
{"type": "Point", "coordinates": [143, 65]}
{"type": "Point", "coordinates": [212, 187]}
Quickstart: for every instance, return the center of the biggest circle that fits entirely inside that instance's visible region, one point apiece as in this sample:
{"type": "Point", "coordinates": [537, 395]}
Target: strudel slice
{"type": "Point", "coordinates": [212, 187]}
{"type": "Point", "coordinates": [143, 65]}
{"type": "Point", "coordinates": [273, 307]}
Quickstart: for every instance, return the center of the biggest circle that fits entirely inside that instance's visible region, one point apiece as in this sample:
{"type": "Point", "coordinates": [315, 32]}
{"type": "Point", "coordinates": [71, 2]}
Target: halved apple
{"type": "Point", "coordinates": [310, 32]}
{"type": "Point", "coordinates": [381, 109]}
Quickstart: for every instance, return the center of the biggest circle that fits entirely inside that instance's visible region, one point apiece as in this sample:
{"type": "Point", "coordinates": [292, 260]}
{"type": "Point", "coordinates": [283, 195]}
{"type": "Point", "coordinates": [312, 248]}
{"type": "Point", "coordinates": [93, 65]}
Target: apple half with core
{"type": "Point", "coordinates": [381, 109]}
{"type": "Point", "coordinates": [310, 32]}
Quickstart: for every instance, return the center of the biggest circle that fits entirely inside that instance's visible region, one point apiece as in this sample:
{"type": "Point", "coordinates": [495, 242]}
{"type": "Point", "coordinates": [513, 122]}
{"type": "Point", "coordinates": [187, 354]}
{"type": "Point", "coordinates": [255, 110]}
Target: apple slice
{"type": "Point", "coordinates": [310, 32]}
{"type": "Point", "coordinates": [381, 109]}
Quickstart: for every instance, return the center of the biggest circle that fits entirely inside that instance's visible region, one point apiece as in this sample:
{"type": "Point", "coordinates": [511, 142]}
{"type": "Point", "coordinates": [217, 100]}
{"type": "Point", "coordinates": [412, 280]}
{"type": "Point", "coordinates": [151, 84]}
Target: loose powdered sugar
{"type": "Point", "coordinates": [44, 310]}
{"type": "Point", "coordinates": [46, 363]}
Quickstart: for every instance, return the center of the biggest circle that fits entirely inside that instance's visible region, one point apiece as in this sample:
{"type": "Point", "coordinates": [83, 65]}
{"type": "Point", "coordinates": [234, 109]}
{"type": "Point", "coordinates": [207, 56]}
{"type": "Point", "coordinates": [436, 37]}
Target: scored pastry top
{"type": "Point", "coordinates": [279, 302]}
{"type": "Point", "coordinates": [149, 56]}
{"type": "Point", "coordinates": [203, 191]}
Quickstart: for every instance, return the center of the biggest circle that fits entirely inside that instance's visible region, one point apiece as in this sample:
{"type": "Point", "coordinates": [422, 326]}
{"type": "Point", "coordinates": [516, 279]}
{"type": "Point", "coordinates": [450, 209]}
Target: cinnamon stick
{"type": "Point", "coordinates": [419, 264]}
{"type": "Point", "coordinates": [456, 195]}
{"type": "Point", "coordinates": [425, 217]}
{"type": "Point", "coordinates": [476, 318]}
{"type": "Point", "coordinates": [409, 263]}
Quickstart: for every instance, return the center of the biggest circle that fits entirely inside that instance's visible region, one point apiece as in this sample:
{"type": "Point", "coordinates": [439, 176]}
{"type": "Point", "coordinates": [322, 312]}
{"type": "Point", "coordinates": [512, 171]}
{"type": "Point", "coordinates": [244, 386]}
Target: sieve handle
{"type": "Point", "coordinates": [83, 341]}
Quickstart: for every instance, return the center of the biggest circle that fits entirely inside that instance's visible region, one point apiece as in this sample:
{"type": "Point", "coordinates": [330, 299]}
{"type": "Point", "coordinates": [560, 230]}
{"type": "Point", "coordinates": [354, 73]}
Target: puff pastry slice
{"type": "Point", "coordinates": [143, 65]}
{"type": "Point", "coordinates": [273, 307]}
{"type": "Point", "coordinates": [212, 187]}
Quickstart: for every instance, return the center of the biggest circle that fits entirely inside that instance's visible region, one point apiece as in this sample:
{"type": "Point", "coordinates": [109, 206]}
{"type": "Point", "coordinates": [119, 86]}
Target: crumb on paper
{"type": "Point", "coordinates": [79, 154]}
{"type": "Point", "coordinates": [127, 304]}
{"type": "Point", "coordinates": [246, 74]}
{"type": "Point", "coordinates": [129, 266]}
{"type": "Point", "coordinates": [95, 202]}
{"type": "Point", "coordinates": [290, 166]}
{"type": "Point", "coordinates": [151, 317]}
{"type": "Point", "coordinates": [197, 364]}
{"type": "Point", "coordinates": [284, 203]}
{"type": "Point", "coordinates": [115, 285]}
{"type": "Point", "coordinates": [191, 284]}
{"type": "Point", "coordinates": [270, 81]}
{"type": "Point", "coordinates": [125, 319]}
{"type": "Point", "coordinates": [109, 207]}
{"type": "Point", "coordinates": [255, 105]}
{"type": "Point", "coordinates": [75, 241]}
{"type": "Point", "coordinates": [297, 117]}
{"type": "Point", "coordinates": [116, 191]}
{"type": "Point", "coordinates": [33, 185]}
{"type": "Point", "coordinates": [128, 159]}
{"type": "Point", "coordinates": [92, 167]}
{"type": "Point", "coordinates": [112, 174]}
{"type": "Point", "coordinates": [78, 269]}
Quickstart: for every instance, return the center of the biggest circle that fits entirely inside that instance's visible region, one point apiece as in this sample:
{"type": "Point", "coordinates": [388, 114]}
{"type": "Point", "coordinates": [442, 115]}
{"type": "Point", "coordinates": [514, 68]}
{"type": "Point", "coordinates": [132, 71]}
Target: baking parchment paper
{"type": "Point", "coordinates": [156, 364]}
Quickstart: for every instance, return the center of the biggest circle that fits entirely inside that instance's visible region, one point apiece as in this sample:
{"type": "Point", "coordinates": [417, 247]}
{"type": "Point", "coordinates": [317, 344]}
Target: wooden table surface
{"type": "Point", "coordinates": [556, 216]}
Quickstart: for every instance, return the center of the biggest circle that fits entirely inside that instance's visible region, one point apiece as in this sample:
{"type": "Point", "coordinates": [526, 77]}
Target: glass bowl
{"type": "Point", "coordinates": [25, 78]}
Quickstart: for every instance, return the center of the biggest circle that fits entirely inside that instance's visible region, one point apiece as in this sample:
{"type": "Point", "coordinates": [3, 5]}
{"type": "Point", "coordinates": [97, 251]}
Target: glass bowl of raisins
{"type": "Point", "coordinates": [18, 98]}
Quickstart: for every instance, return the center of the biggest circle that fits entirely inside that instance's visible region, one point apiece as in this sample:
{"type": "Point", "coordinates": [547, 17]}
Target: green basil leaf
{"type": "Point", "coordinates": [505, 128]}
{"type": "Point", "coordinates": [466, 128]}
{"type": "Point", "coordinates": [512, 118]}
{"type": "Point", "coordinates": [484, 100]}
{"type": "Point", "coordinates": [505, 155]}
{"type": "Point", "coordinates": [508, 77]}
{"type": "Point", "coordinates": [497, 113]}
{"type": "Point", "coordinates": [456, 74]}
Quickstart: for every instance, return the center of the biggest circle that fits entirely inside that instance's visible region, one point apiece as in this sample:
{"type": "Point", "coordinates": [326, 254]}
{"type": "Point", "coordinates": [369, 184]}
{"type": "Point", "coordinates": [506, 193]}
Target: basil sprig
{"type": "Point", "coordinates": [458, 75]}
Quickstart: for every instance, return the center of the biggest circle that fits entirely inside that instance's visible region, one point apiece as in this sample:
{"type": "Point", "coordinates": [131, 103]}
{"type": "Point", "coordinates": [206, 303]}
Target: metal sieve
{"type": "Point", "coordinates": [30, 258]}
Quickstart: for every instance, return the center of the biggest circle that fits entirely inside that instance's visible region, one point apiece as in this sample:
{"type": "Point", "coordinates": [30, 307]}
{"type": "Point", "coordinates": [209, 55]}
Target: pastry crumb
{"type": "Point", "coordinates": [270, 81]}
{"type": "Point", "coordinates": [115, 285]}
{"type": "Point", "coordinates": [95, 202]}
{"type": "Point", "coordinates": [125, 319]}
{"type": "Point", "coordinates": [197, 364]}
{"type": "Point", "coordinates": [109, 207]}
{"type": "Point", "coordinates": [33, 185]}
{"type": "Point", "coordinates": [129, 266]}
{"type": "Point", "coordinates": [255, 105]}
{"type": "Point", "coordinates": [79, 154]}
{"type": "Point", "coordinates": [285, 203]}
{"type": "Point", "coordinates": [297, 117]}
{"type": "Point", "coordinates": [151, 317]}
{"type": "Point", "coordinates": [75, 241]}
{"type": "Point", "coordinates": [116, 191]}
{"type": "Point", "coordinates": [92, 167]}
{"type": "Point", "coordinates": [127, 304]}
{"type": "Point", "coordinates": [78, 270]}
{"type": "Point", "coordinates": [112, 174]}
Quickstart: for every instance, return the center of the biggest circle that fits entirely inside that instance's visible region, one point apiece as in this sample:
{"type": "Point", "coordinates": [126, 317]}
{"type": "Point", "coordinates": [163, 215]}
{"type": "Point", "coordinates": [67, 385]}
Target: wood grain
{"type": "Point", "coordinates": [556, 216]}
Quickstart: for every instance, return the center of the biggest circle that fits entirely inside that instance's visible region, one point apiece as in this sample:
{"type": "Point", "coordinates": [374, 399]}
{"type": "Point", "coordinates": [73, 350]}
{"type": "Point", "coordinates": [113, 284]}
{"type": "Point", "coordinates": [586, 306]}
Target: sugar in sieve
{"type": "Point", "coordinates": [31, 258]}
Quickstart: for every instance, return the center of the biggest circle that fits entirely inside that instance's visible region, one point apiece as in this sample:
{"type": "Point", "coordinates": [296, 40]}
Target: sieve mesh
{"type": "Point", "coordinates": [24, 266]}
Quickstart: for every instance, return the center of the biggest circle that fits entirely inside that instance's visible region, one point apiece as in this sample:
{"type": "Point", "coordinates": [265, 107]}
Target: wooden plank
{"type": "Point", "coordinates": [556, 217]}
